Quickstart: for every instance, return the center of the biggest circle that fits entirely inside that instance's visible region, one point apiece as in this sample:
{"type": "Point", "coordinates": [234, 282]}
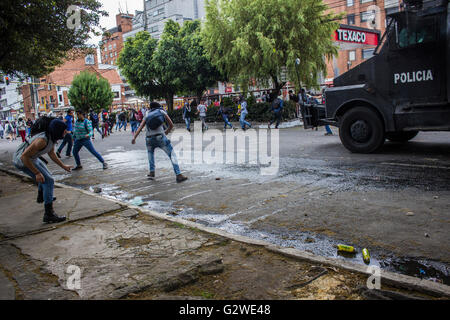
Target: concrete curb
{"type": "Point", "coordinates": [387, 277]}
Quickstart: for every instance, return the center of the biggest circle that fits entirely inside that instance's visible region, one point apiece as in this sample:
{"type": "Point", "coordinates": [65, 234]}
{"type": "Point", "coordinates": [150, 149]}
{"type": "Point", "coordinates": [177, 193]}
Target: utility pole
{"type": "Point", "coordinates": [145, 17]}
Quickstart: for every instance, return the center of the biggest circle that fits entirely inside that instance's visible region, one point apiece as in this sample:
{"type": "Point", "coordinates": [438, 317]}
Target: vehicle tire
{"type": "Point", "coordinates": [362, 130]}
{"type": "Point", "coordinates": [401, 136]}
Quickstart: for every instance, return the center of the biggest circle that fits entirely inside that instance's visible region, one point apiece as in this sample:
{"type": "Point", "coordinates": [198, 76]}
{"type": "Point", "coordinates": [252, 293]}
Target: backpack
{"type": "Point", "coordinates": [94, 117]}
{"type": "Point", "coordinates": [41, 125]}
{"type": "Point", "coordinates": [154, 119]}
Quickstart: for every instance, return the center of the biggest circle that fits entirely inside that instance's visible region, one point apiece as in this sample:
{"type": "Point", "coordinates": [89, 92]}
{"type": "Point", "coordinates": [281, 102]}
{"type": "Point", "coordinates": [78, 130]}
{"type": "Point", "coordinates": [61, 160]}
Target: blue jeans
{"type": "Point", "coordinates": [95, 126]}
{"type": "Point", "coordinates": [85, 142]}
{"type": "Point", "coordinates": [327, 127]}
{"type": "Point", "coordinates": [123, 124]}
{"type": "Point", "coordinates": [227, 123]}
{"type": "Point", "coordinates": [48, 185]}
{"type": "Point", "coordinates": [67, 139]}
{"type": "Point", "coordinates": [187, 120]}
{"type": "Point", "coordinates": [277, 118]}
{"type": "Point", "coordinates": [134, 126]}
{"type": "Point", "coordinates": [161, 141]}
{"type": "Point", "coordinates": [243, 122]}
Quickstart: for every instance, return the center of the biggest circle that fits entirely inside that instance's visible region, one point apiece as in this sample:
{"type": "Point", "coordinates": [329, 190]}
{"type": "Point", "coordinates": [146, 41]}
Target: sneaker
{"type": "Point", "coordinates": [151, 175]}
{"type": "Point", "coordinates": [105, 166]}
{"type": "Point", "coordinates": [77, 168]}
{"type": "Point", "coordinates": [181, 178]}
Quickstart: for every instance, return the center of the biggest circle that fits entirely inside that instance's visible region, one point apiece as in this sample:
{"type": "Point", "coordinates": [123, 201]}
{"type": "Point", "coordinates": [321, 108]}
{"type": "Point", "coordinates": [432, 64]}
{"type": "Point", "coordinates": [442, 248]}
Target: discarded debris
{"type": "Point", "coordinates": [366, 256]}
{"type": "Point", "coordinates": [217, 179]}
{"type": "Point", "coordinates": [137, 201]}
{"type": "Point", "coordinates": [345, 248]}
{"type": "Point", "coordinates": [410, 213]}
{"type": "Point", "coordinates": [427, 235]}
{"type": "Point", "coordinates": [435, 197]}
{"type": "Point", "coordinates": [97, 189]}
{"type": "Point", "coordinates": [310, 240]}
{"type": "Point", "coordinates": [174, 213]}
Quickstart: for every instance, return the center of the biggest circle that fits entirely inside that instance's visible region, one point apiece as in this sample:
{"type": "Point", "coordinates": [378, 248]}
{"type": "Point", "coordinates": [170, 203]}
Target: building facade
{"type": "Point", "coordinates": [362, 19]}
{"type": "Point", "coordinates": [112, 41]}
{"type": "Point", "coordinates": [53, 88]}
{"type": "Point", "coordinates": [11, 98]}
{"type": "Point", "coordinates": [157, 12]}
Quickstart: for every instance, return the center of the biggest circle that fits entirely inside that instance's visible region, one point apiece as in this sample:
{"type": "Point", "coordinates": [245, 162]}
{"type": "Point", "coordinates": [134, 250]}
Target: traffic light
{"type": "Point", "coordinates": [7, 81]}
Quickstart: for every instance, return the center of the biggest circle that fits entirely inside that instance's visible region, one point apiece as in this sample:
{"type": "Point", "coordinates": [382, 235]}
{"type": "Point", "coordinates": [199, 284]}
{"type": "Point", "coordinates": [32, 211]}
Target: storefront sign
{"type": "Point", "coordinates": [356, 36]}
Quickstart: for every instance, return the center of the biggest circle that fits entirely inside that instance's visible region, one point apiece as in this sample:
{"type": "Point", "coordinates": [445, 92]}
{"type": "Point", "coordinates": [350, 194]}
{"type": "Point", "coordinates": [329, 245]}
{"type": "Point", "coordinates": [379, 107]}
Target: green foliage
{"type": "Point", "coordinates": [175, 64]}
{"type": "Point", "coordinates": [199, 73]}
{"type": "Point", "coordinates": [35, 36]}
{"type": "Point", "coordinates": [89, 92]}
{"type": "Point", "coordinates": [136, 64]}
{"type": "Point", "coordinates": [256, 39]}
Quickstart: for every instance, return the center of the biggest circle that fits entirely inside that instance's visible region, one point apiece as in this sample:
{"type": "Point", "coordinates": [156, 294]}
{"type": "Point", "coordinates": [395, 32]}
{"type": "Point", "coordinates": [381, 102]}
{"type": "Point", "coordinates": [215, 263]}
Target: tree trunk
{"type": "Point", "coordinates": [169, 101]}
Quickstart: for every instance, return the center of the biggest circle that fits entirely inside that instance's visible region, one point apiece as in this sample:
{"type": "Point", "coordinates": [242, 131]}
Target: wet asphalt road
{"type": "Point", "coordinates": [396, 202]}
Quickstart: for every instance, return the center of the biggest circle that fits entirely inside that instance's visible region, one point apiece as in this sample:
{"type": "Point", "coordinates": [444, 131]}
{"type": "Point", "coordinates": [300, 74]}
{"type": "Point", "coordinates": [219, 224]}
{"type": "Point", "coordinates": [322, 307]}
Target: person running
{"type": "Point", "coordinates": [277, 109]}
{"type": "Point", "coordinates": [95, 121]}
{"type": "Point", "coordinates": [187, 111]}
{"type": "Point", "coordinates": [133, 121]}
{"type": "Point", "coordinates": [22, 128]}
{"type": "Point", "coordinates": [243, 113]}
{"type": "Point", "coordinates": [201, 110]}
{"type": "Point", "coordinates": [82, 134]}
{"type": "Point", "coordinates": [68, 137]}
{"type": "Point", "coordinates": [224, 112]}
{"type": "Point", "coordinates": [27, 159]}
{"type": "Point", "coordinates": [156, 138]}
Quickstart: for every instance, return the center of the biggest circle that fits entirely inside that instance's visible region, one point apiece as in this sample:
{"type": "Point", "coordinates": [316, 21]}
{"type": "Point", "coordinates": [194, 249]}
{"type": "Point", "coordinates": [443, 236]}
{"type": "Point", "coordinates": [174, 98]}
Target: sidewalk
{"type": "Point", "coordinates": [124, 252]}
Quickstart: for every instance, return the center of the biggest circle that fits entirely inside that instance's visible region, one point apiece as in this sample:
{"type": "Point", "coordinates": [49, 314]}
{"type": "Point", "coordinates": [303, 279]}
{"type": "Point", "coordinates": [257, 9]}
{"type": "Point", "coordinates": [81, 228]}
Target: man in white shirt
{"type": "Point", "coordinates": [201, 109]}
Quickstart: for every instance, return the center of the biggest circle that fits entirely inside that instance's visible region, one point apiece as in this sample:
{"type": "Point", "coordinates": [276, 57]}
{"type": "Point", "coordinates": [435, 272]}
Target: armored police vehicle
{"type": "Point", "coordinates": [403, 89]}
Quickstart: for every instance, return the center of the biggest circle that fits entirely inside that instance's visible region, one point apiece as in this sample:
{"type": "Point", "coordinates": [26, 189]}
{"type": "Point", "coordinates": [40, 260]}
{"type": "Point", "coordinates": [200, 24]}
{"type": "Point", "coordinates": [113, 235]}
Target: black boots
{"type": "Point", "coordinates": [50, 216]}
{"type": "Point", "coordinates": [40, 197]}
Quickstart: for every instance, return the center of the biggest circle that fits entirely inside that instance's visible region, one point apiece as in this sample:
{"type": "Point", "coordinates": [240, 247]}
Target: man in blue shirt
{"type": "Point", "coordinates": [68, 120]}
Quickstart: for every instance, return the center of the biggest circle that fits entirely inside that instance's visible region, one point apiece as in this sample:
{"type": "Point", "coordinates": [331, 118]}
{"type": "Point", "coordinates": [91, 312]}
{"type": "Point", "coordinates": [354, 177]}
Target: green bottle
{"type": "Point", "coordinates": [366, 255]}
{"type": "Point", "coordinates": [345, 248]}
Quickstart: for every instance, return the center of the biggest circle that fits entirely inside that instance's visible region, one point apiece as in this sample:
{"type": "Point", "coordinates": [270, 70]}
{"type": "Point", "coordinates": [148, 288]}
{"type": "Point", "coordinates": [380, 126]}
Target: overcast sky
{"type": "Point", "coordinates": [112, 7]}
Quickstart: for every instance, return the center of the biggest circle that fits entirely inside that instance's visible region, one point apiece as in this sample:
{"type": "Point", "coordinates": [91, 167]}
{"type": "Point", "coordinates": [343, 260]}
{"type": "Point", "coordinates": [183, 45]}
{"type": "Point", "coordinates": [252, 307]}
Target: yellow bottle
{"type": "Point", "coordinates": [366, 255]}
{"type": "Point", "coordinates": [345, 248]}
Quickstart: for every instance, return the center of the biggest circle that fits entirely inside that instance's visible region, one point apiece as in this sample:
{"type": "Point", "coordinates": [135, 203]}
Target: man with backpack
{"type": "Point", "coordinates": [44, 135]}
{"type": "Point", "coordinates": [277, 109]}
{"type": "Point", "coordinates": [82, 134]}
{"type": "Point", "coordinates": [156, 138]}
{"type": "Point", "coordinates": [95, 121]}
{"type": "Point", "coordinates": [201, 110]}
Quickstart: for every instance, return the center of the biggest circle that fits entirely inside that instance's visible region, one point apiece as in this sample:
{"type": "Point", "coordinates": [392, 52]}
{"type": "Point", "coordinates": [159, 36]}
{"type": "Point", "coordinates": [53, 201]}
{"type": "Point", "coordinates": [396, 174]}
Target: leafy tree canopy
{"type": "Point", "coordinates": [36, 36]}
{"type": "Point", "coordinates": [256, 39]}
{"type": "Point", "coordinates": [175, 64]}
{"type": "Point", "coordinates": [89, 92]}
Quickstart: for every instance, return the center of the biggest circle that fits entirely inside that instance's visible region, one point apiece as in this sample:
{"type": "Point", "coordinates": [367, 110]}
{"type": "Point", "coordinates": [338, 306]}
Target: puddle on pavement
{"type": "Point", "coordinates": [305, 241]}
{"type": "Point", "coordinates": [314, 243]}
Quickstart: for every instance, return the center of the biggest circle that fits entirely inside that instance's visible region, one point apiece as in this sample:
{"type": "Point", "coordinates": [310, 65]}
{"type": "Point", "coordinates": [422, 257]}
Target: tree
{"type": "Point", "coordinates": [199, 72]}
{"type": "Point", "coordinates": [257, 39]}
{"type": "Point", "coordinates": [89, 92]}
{"type": "Point", "coordinates": [136, 64]}
{"type": "Point", "coordinates": [36, 35]}
{"type": "Point", "coordinates": [169, 62]}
